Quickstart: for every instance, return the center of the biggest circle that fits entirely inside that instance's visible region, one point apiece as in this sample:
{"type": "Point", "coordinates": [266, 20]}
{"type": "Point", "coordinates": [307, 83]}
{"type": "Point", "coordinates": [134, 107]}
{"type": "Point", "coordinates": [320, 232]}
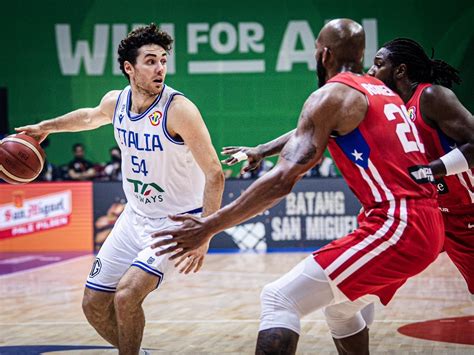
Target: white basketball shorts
{"type": "Point", "coordinates": [129, 244]}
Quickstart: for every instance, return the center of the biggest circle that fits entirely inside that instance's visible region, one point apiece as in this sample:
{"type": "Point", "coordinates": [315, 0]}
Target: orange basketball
{"type": "Point", "coordinates": [21, 159]}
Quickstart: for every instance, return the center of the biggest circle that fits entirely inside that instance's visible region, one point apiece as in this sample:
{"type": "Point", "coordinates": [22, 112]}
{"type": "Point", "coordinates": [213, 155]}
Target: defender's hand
{"type": "Point", "coordinates": [186, 237]}
{"type": "Point", "coordinates": [193, 260]}
{"type": "Point", "coordinates": [253, 155]}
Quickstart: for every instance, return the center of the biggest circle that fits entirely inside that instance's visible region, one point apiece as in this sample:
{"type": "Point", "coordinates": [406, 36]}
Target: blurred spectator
{"type": "Point", "coordinates": [104, 224]}
{"type": "Point", "coordinates": [79, 168]}
{"type": "Point", "coordinates": [113, 169]}
{"type": "Point", "coordinates": [261, 169]}
{"type": "Point", "coordinates": [327, 167]}
{"type": "Point", "coordinates": [49, 172]}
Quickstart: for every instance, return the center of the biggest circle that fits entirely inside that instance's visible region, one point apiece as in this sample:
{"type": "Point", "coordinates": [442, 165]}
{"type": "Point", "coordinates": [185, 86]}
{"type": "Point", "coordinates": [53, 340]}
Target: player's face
{"type": "Point", "coordinates": [383, 69]}
{"type": "Point", "coordinates": [149, 72]}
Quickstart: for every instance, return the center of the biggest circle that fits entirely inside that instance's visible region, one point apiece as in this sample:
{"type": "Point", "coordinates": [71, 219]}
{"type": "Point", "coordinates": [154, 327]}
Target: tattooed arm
{"type": "Point", "coordinates": [335, 107]}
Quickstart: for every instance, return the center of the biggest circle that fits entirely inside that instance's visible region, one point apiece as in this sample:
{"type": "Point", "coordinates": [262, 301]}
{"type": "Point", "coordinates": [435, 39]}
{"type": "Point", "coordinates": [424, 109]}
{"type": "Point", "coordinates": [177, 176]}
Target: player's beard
{"type": "Point", "coordinates": [145, 87]}
{"type": "Point", "coordinates": [321, 72]}
{"type": "Point", "coordinates": [390, 82]}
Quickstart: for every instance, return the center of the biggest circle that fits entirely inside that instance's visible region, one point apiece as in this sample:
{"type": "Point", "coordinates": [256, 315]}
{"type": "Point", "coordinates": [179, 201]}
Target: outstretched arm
{"type": "Point", "coordinates": [79, 120]}
{"type": "Point", "coordinates": [256, 154]}
{"type": "Point", "coordinates": [440, 106]}
{"type": "Point", "coordinates": [323, 113]}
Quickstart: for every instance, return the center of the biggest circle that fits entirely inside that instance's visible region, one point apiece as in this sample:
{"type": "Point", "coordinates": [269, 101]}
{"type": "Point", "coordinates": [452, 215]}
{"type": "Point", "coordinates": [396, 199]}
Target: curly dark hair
{"type": "Point", "coordinates": [141, 36]}
{"type": "Point", "coordinates": [421, 68]}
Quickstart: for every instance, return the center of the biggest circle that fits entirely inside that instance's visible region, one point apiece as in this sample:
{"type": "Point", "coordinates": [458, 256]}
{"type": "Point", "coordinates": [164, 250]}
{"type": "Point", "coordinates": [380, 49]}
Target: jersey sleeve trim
{"type": "Point", "coordinates": [116, 105]}
{"type": "Point", "coordinates": [165, 117]}
{"type": "Point", "coordinates": [134, 117]}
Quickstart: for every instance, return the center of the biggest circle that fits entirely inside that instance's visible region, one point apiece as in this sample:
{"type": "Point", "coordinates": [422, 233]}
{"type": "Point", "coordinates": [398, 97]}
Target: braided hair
{"type": "Point", "coordinates": [420, 68]}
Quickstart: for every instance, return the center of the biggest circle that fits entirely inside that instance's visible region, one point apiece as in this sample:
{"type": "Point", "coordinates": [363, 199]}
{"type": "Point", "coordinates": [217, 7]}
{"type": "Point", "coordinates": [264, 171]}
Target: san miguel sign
{"type": "Point", "coordinates": [26, 216]}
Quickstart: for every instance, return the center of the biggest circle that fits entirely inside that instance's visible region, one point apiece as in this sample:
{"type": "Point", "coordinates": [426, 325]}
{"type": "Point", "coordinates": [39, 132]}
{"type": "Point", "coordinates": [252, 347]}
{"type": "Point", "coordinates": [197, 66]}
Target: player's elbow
{"type": "Point", "coordinates": [215, 176]}
{"type": "Point", "coordinates": [283, 182]}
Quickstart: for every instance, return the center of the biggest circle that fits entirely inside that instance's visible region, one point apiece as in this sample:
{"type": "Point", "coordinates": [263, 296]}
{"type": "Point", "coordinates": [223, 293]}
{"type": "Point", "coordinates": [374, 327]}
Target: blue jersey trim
{"type": "Point", "coordinates": [149, 270]}
{"type": "Point", "coordinates": [133, 117]}
{"type": "Point", "coordinates": [165, 116]}
{"type": "Point", "coordinates": [94, 284]}
{"type": "Point", "coordinates": [447, 143]}
{"type": "Point", "coordinates": [196, 210]}
{"type": "Point", "coordinates": [115, 109]}
{"type": "Point", "coordinates": [98, 289]}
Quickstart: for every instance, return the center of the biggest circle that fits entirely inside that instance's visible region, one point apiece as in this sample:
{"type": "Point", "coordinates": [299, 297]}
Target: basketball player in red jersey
{"type": "Point", "coordinates": [377, 149]}
{"type": "Point", "coordinates": [446, 127]}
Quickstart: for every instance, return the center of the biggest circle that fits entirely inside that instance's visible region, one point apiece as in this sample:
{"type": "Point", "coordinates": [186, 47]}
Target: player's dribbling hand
{"type": "Point", "coordinates": [238, 154]}
{"type": "Point", "coordinates": [34, 131]}
{"type": "Point", "coordinates": [193, 260]}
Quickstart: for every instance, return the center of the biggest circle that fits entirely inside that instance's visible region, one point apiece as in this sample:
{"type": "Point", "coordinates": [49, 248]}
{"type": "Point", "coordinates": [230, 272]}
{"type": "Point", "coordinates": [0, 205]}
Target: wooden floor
{"type": "Point", "coordinates": [216, 311]}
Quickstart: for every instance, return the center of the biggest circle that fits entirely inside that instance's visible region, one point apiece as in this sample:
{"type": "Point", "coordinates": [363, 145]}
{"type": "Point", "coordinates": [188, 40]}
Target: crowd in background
{"type": "Point", "coordinates": [81, 169]}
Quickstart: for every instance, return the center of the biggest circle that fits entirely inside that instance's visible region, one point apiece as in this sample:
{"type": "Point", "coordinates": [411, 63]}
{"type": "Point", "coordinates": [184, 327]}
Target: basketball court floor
{"type": "Point", "coordinates": [216, 311]}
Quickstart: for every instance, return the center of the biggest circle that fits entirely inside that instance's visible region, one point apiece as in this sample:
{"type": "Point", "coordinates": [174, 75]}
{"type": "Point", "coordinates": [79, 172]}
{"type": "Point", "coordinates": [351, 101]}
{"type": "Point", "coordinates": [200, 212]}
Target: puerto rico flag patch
{"type": "Point", "coordinates": [155, 118]}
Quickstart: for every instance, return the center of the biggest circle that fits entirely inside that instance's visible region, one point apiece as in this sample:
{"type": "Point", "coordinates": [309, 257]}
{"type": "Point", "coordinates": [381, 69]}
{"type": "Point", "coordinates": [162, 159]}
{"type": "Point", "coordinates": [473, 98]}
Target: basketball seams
{"type": "Point", "coordinates": [27, 144]}
{"type": "Point", "coordinates": [6, 150]}
{"type": "Point", "coordinates": [11, 175]}
{"type": "Point", "coordinates": [14, 177]}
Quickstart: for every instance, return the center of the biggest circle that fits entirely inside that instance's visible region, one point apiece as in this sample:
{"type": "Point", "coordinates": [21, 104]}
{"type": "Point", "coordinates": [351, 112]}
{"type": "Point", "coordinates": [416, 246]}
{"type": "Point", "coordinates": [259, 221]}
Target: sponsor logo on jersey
{"type": "Point", "coordinates": [96, 268]}
{"type": "Point", "coordinates": [441, 186]}
{"type": "Point", "coordinates": [412, 113]}
{"type": "Point", "coordinates": [470, 226]}
{"type": "Point", "coordinates": [422, 174]}
{"type": "Point", "coordinates": [147, 192]}
{"type": "Point", "coordinates": [155, 118]}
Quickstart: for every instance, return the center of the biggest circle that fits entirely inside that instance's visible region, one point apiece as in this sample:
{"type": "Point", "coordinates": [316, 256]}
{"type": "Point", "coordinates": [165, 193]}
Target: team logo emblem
{"type": "Point", "coordinates": [150, 260]}
{"type": "Point", "coordinates": [147, 192]}
{"type": "Point", "coordinates": [96, 268]}
{"type": "Point", "coordinates": [412, 113]}
{"type": "Point", "coordinates": [155, 118]}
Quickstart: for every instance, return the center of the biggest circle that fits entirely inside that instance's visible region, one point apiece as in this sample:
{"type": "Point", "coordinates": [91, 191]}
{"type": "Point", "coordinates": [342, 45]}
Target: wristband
{"type": "Point", "coordinates": [455, 162]}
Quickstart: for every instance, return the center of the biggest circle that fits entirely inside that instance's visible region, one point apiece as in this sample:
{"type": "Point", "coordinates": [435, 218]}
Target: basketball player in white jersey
{"type": "Point", "coordinates": [169, 166]}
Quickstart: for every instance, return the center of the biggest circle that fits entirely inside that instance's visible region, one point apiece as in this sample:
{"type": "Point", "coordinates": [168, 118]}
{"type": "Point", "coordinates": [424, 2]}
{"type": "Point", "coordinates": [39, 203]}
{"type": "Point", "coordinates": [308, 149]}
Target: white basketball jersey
{"type": "Point", "coordinates": [159, 173]}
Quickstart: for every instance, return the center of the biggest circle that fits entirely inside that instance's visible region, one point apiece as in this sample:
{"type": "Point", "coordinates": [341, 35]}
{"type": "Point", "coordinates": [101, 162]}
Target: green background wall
{"type": "Point", "coordinates": [239, 108]}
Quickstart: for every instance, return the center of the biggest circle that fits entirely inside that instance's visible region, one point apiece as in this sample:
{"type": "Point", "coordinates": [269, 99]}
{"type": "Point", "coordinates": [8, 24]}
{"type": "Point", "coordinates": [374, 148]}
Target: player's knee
{"type": "Point", "coordinates": [93, 307]}
{"type": "Point", "coordinates": [343, 322]}
{"type": "Point", "coordinates": [277, 310]}
{"type": "Point", "coordinates": [368, 313]}
{"type": "Point", "coordinates": [126, 299]}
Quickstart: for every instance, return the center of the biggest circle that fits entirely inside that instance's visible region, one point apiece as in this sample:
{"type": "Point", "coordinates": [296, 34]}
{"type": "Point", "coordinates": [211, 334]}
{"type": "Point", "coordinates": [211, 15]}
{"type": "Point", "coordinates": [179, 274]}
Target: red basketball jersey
{"type": "Point", "coordinates": [455, 191]}
{"type": "Point", "coordinates": [377, 157]}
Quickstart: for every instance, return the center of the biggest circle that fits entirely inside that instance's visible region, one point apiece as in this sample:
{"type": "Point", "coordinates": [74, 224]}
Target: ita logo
{"type": "Point", "coordinates": [155, 118]}
{"type": "Point", "coordinates": [412, 113]}
{"type": "Point", "coordinates": [147, 192]}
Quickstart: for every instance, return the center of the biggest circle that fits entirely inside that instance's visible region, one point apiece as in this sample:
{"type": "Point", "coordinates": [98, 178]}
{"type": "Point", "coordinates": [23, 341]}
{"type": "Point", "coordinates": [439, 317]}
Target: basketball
{"type": "Point", "coordinates": [21, 159]}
